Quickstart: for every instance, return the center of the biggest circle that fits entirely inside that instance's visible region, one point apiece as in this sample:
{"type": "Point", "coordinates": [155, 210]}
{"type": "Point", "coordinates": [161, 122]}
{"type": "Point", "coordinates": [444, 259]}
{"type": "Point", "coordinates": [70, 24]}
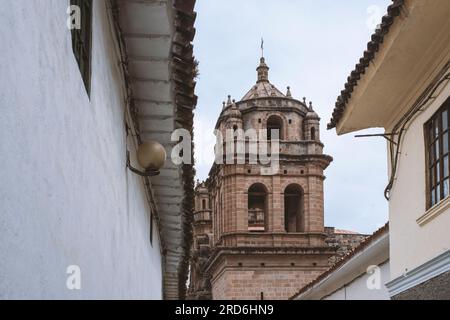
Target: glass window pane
{"type": "Point", "coordinates": [438, 193]}
{"type": "Point", "coordinates": [444, 120]}
{"type": "Point", "coordinates": [445, 143]}
{"type": "Point", "coordinates": [445, 186]}
{"type": "Point", "coordinates": [438, 178]}
{"type": "Point", "coordinates": [436, 151]}
{"type": "Point", "coordinates": [432, 182]}
{"type": "Point", "coordinates": [445, 166]}
{"type": "Point", "coordinates": [433, 197]}
{"type": "Point", "coordinates": [432, 154]}
{"type": "Point", "coordinates": [436, 128]}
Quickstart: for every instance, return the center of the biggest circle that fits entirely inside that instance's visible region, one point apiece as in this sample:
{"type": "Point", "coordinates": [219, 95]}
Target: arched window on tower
{"type": "Point", "coordinates": [274, 123]}
{"type": "Point", "coordinates": [203, 204]}
{"type": "Point", "coordinates": [257, 204]}
{"type": "Point", "coordinates": [313, 133]}
{"type": "Point", "coordinates": [293, 208]}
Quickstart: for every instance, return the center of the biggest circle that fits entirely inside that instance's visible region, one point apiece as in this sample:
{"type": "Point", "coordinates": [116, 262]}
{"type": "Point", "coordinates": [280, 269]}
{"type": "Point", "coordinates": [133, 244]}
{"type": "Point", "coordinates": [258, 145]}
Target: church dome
{"type": "Point", "coordinates": [312, 115]}
{"type": "Point", "coordinates": [201, 187]}
{"type": "Point", "coordinates": [262, 96]}
{"type": "Point", "coordinates": [233, 111]}
{"type": "Point", "coordinates": [263, 88]}
{"type": "Point", "coordinates": [230, 109]}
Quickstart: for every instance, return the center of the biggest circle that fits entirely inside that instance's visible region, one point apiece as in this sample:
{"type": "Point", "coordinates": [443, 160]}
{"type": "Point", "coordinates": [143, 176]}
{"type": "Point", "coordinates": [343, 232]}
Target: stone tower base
{"type": "Point", "coordinates": [268, 276]}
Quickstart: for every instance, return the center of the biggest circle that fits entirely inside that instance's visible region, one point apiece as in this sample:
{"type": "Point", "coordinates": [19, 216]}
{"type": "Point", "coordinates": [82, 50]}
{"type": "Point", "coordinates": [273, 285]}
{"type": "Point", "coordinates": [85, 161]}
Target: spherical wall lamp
{"type": "Point", "coordinates": [151, 156]}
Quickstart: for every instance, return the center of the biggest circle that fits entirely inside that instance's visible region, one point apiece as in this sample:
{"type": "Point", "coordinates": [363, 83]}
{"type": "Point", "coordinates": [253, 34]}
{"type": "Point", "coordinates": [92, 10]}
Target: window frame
{"type": "Point", "coordinates": [82, 41]}
{"type": "Point", "coordinates": [436, 156]}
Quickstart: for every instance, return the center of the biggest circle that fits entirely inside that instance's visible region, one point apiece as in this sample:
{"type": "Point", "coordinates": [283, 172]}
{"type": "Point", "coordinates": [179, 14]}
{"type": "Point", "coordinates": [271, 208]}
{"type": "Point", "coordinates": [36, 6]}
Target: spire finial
{"type": "Point", "coordinates": [229, 100]}
{"type": "Point", "coordinates": [311, 106]}
{"type": "Point", "coordinates": [263, 71]}
{"type": "Point", "coordinates": [288, 93]}
{"type": "Point", "coordinates": [304, 101]}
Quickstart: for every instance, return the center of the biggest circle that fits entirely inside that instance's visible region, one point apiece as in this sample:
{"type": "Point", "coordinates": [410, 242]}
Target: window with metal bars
{"type": "Point", "coordinates": [82, 41]}
{"type": "Point", "coordinates": [437, 153]}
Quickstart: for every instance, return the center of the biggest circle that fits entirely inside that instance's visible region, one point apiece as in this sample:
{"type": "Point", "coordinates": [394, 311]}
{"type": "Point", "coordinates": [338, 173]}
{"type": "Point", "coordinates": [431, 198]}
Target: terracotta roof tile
{"type": "Point", "coordinates": [184, 72]}
{"type": "Point", "coordinates": [339, 231]}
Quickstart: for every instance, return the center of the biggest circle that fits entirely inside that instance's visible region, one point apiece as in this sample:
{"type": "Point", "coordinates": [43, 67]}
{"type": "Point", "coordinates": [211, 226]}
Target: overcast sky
{"type": "Point", "coordinates": [311, 46]}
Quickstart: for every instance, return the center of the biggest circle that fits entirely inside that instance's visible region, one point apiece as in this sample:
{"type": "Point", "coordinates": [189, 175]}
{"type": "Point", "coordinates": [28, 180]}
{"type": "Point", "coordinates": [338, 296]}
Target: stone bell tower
{"type": "Point", "coordinates": [264, 236]}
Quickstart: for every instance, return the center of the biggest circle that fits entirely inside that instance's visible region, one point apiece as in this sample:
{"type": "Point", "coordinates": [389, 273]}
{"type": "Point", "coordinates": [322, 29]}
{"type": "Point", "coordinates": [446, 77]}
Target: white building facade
{"type": "Point", "coordinates": [75, 223]}
{"type": "Point", "coordinates": [361, 275]}
{"type": "Point", "coordinates": [406, 90]}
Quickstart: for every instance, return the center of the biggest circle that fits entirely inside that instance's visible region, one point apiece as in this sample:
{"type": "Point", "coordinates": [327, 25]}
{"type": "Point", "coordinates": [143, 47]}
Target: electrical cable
{"type": "Point", "coordinates": [400, 126]}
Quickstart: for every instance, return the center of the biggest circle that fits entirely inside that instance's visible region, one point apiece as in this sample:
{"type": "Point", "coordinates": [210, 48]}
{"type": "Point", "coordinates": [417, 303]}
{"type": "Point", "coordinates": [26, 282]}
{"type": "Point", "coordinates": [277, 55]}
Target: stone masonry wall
{"type": "Point", "coordinates": [274, 283]}
{"type": "Point", "coordinates": [343, 242]}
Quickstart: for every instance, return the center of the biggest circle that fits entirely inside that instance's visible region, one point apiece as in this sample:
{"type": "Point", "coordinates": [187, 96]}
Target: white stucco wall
{"type": "Point", "coordinates": [412, 244]}
{"type": "Point", "coordinates": [66, 197]}
{"type": "Point", "coordinates": [358, 290]}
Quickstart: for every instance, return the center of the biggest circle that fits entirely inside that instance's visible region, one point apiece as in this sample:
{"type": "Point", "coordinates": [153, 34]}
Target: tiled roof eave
{"type": "Point", "coordinates": [373, 46]}
{"type": "Point", "coordinates": [184, 72]}
{"type": "Point", "coordinates": [174, 99]}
